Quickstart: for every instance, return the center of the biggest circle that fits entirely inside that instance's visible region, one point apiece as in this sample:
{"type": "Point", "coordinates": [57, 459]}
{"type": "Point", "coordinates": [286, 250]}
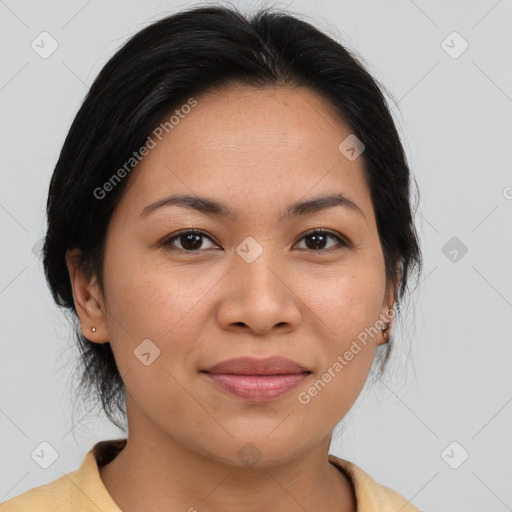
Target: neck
{"type": "Point", "coordinates": [181, 479]}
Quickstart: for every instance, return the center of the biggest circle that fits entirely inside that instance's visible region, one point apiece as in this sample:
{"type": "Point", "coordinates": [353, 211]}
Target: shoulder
{"type": "Point", "coordinates": [395, 501]}
{"type": "Point", "coordinates": [44, 498]}
{"type": "Point", "coordinates": [81, 490]}
{"type": "Point", "coordinates": [370, 495]}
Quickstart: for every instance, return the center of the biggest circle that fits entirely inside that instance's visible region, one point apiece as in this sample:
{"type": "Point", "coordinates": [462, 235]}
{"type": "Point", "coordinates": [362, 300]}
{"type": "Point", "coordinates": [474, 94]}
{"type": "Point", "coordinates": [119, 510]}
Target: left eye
{"type": "Point", "coordinates": [319, 237]}
{"type": "Point", "coordinates": [191, 240]}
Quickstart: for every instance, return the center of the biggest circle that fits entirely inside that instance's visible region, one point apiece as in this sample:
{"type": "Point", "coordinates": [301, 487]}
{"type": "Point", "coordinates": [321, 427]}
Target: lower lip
{"type": "Point", "coordinates": [259, 388]}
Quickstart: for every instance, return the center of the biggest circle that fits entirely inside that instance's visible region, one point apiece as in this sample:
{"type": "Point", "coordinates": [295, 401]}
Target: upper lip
{"type": "Point", "coordinates": [273, 365]}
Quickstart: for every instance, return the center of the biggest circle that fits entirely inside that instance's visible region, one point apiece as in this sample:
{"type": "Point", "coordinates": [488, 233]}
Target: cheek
{"type": "Point", "coordinates": [165, 304]}
{"type": "Point", "coordinates": [152, 302]}
{"type": "Point", "coordinates": [346, 303]}
{"type": "Point", "coordinates": [334, 390]}
{"type": "Point", "coordinates": [346, 314]}
{"type": "Point", "coordinates": [152, 296]}
{"type": "Point", "coordinates": [347, 307]}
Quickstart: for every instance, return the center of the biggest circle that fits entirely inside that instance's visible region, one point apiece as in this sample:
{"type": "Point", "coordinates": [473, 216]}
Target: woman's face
{"type": "Point", "coordinates": [252, 284]}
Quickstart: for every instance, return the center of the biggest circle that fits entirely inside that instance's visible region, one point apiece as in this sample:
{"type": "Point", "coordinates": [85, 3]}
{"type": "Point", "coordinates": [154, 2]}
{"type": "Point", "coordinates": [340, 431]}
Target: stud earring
{"type": "Point", "coordinates": [93, 329]}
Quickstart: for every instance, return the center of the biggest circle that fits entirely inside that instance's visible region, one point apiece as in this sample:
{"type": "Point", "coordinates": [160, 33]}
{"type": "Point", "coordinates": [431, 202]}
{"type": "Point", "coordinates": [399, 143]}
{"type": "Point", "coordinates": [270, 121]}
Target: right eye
{"type": "Point", "coordinates": [190, 240]}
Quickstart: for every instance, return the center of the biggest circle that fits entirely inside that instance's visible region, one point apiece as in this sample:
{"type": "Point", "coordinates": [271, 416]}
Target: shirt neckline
{"type": "Point", "coordinates": [103, 452]}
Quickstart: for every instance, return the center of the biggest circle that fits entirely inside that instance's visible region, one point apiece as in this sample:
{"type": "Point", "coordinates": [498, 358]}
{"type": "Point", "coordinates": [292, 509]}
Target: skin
{"type": "Point", "coordinates": [256, 151]}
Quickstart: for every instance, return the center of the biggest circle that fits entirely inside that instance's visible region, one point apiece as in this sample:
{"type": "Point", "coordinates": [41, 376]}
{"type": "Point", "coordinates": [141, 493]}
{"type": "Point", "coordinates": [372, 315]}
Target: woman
{"type": "Point", "coordinates": [230, 221]}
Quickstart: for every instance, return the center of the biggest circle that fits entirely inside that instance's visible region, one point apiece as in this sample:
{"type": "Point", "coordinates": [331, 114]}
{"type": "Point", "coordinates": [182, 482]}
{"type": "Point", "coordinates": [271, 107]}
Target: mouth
{"type": "Point", "coordinates": [272, 365]}
{"type": "Point", "coordinates": [257, 380]}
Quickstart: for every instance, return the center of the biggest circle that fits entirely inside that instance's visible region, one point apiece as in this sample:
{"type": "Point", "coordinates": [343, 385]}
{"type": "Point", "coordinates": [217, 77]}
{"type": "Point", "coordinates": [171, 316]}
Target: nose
{"type": "Point", "coordinates": [259, 297]}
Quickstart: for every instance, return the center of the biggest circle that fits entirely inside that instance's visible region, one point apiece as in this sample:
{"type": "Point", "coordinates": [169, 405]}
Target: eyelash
{"type": "Point", "coordinates": [343, 243]}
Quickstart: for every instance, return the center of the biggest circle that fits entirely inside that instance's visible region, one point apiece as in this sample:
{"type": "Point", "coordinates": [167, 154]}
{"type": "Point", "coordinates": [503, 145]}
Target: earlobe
{"type": "Point", "coordinates": [388, 314]}
{"type": "Point", "coordinates": [387, 323]}
{"type": "Point", "coordinates": [86, 297]}
{"type": "Point", "coordinates": [386, 329]}
{"type": "Point", "coordinates": [386, 318]}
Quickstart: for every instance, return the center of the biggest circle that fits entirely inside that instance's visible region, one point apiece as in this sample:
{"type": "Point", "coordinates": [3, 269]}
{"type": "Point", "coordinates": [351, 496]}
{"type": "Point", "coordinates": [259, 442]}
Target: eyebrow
{"type": "Point", "coordinates": [214, 208]}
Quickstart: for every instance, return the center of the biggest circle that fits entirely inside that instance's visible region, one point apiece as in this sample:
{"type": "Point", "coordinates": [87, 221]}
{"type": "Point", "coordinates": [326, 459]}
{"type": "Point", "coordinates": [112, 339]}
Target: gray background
{"type": "Point", "coordinates": [450, 380]}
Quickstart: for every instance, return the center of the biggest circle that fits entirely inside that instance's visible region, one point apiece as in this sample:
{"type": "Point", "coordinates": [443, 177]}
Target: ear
{"type": "Point", "coordinates": [87, 297]}
{"type": "Point", "coordinates": [388, 313]}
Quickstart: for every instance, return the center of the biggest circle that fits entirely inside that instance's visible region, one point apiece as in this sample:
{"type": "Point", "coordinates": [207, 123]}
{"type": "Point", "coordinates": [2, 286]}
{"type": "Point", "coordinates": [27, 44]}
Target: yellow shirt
{"type": "Point", "coordinates": [83, 490]}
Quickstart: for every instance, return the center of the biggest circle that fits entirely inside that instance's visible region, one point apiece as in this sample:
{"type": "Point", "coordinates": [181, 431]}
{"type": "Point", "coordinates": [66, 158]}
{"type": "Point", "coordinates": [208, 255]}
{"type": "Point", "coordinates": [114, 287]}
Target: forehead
{"type": "Point", "coordinates": [240, 143]}
{"type": "Point", "coordinates": [287, 122]}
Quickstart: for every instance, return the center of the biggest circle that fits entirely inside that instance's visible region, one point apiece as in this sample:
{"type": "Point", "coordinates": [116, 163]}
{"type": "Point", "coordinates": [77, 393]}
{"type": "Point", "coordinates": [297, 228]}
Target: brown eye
{"type": "Point", "coordinates": [318, 239]}
{"type": "Point", "coordinates": [190, 241]}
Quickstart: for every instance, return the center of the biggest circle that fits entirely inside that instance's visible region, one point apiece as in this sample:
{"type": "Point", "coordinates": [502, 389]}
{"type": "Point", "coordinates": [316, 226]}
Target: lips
{"type": "Point", "coordinates": [273, 365]}
{"type": "Point", "coordinates": [257, 380]}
